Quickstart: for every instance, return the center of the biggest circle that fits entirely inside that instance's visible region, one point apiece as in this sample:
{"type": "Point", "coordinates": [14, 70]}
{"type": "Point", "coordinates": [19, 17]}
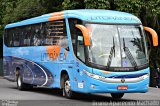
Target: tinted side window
{"type": "Point", "coordinates": [35, 35]}
{"type": "Point", "coordinates": [74, 31]}
{"type": "Point", "coordinates": [80, 48]}
{"type": "Point", "coordinates": [16, 37]}
{"type": "Point", "coordinates": [27, 36]}
{"type": "Point", "coordinates": [8, 37]}
{"type": "Point", "coordinates": [41, 34]}
{"type": "Point", "coordinates": [56, 34]}
{"type": "Point", "coordinates": [77, 39]}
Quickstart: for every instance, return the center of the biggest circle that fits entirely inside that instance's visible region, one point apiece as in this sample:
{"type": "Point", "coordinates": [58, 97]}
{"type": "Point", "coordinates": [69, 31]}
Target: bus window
{"type": "Point", "coordinates": [27, 36]}
{"type": "Point", "coordinates": [35, 35]}
{"type": "Point", "coordinates": [80, 48]}
{"type": "Point", "coordinates": [8, 37]}
{"type": "Point", "coordinates": [63, 42]}
{"type": "Point", "coordinates": [77, 39]}
{"type": "Point", "coordinates": [42, 33]}
{"type": "Point", "coordinates": [56, 34]}
{"type": "Point", "coordinates": [16, 40]}
{"type": "Point", "coordinates": [21, 36]}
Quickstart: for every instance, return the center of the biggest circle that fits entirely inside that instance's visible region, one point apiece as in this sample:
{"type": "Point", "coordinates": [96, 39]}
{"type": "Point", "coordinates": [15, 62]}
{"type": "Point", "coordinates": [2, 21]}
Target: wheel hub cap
{"type": "Point", "coordinates": [19, 81]}
{"type": "Point", "coordinates": [67, 86]}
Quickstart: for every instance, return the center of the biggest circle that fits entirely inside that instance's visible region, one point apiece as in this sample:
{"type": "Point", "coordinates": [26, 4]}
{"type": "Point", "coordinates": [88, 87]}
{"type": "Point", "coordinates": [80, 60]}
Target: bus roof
{"type": "Point", "coordinates": [89, 15]}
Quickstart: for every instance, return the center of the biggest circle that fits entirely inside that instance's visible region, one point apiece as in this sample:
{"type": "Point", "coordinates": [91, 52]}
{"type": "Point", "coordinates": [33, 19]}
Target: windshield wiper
{"type": "Point", "coordinates": [112, 51]}
{"type": "Point", "coordinates": [129, 55]}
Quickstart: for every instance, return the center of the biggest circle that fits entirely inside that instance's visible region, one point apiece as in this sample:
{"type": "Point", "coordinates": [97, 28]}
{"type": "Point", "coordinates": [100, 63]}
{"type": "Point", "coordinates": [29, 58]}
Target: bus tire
{"type": "Point", "coordinates": [117, 95]}
{"type": "Point", "coordinates": [20, 84]}
{"type": "Point", "coordinates": [67, 92]}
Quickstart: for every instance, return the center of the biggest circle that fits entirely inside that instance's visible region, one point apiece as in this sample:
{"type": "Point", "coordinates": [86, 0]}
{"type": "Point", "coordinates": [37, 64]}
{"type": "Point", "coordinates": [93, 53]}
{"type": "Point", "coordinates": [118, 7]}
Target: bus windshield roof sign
{"type": "Point", "coordinates": [114, 18]}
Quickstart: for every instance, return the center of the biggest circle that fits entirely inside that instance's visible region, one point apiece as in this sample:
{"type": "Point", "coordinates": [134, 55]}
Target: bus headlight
{"type": "Point", "coordinates": [94, 75]}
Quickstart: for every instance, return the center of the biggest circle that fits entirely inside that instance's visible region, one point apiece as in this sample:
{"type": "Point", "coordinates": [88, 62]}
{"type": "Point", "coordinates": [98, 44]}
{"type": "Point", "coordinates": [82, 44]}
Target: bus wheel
{"type": "Point", "coordinates": [66, 87]}
{"type": "Point", "coordinates": [20, 84]}
{"type": "Point", "coordinates": [117, 95]}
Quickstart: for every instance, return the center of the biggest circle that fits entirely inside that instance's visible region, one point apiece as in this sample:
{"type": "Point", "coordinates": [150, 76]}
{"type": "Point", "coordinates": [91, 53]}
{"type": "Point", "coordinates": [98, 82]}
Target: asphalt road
{"type": "Point", "coordinates": [53, 97]}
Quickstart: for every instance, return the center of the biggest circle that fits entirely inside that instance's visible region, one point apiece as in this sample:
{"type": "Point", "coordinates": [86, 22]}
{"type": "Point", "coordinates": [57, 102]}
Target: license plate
{"type": "Point", "coordinates": [122, 87]}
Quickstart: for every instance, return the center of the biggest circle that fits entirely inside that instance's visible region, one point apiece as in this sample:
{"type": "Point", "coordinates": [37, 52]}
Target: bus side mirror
{"type": "Point", "coordinates": [85, 34]}
{"type": "Point", "coordinates": [154, 35]}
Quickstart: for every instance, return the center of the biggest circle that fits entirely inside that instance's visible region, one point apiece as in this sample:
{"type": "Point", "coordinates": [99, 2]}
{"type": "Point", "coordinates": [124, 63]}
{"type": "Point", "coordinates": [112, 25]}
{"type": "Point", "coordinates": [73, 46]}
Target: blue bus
{"type": "Point", "coordinates": [87, 51]}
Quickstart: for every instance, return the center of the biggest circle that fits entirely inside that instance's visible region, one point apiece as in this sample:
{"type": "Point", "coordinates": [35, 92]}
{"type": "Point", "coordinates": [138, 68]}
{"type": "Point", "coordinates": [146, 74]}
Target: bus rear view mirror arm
{"type": "Point", "coordinates": [154, 35]}
{"type": "Point", "coordinates": [85, 34]}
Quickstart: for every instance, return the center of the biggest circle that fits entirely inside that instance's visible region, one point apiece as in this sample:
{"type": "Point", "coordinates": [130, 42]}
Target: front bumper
{"type": "Point", "coordinates": [97, 86]}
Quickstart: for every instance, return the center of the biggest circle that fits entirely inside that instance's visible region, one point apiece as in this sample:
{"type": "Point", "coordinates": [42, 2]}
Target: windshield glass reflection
{"type": "Point", "coordinates": [116, 45]}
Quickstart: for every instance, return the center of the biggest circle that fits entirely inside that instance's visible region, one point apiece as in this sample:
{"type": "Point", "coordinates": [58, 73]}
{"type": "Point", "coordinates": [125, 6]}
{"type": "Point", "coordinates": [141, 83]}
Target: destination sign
{"type": "Point", "coordinates": [109, 18]}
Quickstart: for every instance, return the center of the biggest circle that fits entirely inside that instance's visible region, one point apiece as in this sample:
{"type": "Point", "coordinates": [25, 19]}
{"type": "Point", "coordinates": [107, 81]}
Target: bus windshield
{"type": "Point", "coordinates": [117, 45]}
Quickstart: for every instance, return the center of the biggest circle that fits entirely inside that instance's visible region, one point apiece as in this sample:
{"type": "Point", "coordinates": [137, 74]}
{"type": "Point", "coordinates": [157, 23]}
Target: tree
{"type": "Point", "coordinates": [1, 18]}
{"type": "Point", "coordinates": [27, 8]}
{"type": "Point", "coordinates": [52, 5]}
{"type": "Point", "coordinates": [7, 7]}
{"type": "Point", "coordinates": [73, 4]}
{"type": "Point", "coordinates": [99, 4]}
{"type": "Point", "coordinates": [16, 10]}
